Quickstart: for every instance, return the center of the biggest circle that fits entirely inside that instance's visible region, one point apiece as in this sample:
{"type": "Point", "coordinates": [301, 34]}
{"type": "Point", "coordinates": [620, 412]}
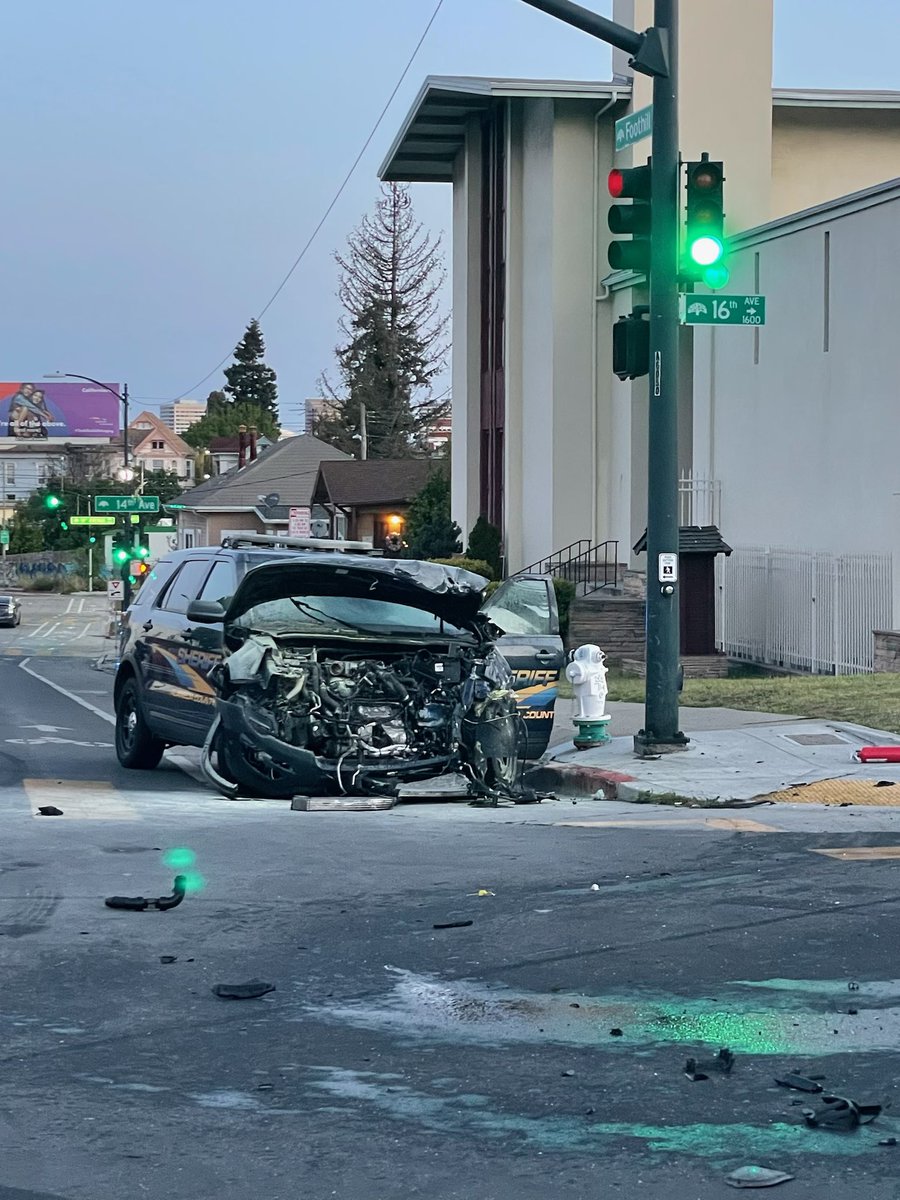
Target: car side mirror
{"type": "Point", "coordinates": [205, 612]}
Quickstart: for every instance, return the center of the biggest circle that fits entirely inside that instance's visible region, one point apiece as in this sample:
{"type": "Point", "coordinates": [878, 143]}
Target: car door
{"type": "Point", "coordinates": [177, 689]}
{"type": "Point", "coordinates": [524, 607]}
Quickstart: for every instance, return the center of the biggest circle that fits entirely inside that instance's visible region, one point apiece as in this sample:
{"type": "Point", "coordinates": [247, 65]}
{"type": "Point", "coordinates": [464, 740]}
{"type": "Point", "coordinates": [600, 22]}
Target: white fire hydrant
{"type": "Point", "coordinates": [587, 675]}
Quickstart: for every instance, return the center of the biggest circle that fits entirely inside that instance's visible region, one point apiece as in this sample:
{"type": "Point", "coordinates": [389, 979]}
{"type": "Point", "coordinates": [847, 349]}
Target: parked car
{"type": "Point", "coordinates": [310, 671]}
{"type": "Point", "coordinates": [10, 611]}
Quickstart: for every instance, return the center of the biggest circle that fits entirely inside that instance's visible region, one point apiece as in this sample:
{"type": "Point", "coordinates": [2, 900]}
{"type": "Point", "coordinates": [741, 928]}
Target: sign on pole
{"type": "Point", "coordinates": [668, 568]}
{"type": "Point", "coordinates": [634, 127]}
{"type": "Point", "coordinates": [298, 522]}
{"type": "Point", "coordinates": [4, 537]}
{"type": "Point", "coordinates": [92, 520]}
{"type": "Point", "coordinates": [722, 310]}
{"type": "Point", "coordinates": [126, 504]}
{"type": "Point", "coordinates": [115, 589]}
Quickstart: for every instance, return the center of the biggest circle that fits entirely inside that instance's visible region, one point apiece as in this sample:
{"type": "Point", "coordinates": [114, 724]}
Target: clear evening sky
{"type": "Point", "coordinates": [166, 161]}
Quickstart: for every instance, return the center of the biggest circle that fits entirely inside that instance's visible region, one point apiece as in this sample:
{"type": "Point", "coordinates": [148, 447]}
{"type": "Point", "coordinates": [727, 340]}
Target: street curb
{"type": "Point", "coordinates": [573, 780]}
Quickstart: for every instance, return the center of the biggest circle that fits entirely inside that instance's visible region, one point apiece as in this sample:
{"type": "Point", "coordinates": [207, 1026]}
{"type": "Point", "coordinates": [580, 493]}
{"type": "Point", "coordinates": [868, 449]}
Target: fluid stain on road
{"type": "Point", "coordinates": [792, 1021]}
{"type": "Point", "coordinates": [476, 1114]}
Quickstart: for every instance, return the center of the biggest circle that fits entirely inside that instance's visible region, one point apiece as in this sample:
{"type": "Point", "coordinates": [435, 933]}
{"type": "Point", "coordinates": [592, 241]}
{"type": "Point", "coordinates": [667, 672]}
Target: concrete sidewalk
{"type": "Point", "coordinates": [732, 756]}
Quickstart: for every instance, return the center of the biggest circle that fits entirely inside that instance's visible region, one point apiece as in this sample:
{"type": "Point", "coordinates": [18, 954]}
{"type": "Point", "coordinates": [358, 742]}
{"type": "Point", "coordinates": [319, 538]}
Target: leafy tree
{"type": "Point", "coordinates": [25, 535]}
{"type": "Point", "coordinates": [485, 544]}
{"type": "Point", "coordinates": [225, 419]}
{"type": "Point", "coordinates": [250, 381]}
{"type": "Point", "coordinates": [395, 335]}
{"type": "Point", "coordinates": [430, 531]}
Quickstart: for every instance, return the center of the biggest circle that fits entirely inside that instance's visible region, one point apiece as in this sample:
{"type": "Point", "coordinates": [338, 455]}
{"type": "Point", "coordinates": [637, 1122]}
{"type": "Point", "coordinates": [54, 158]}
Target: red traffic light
{"type": "Point", "coordinates": [616, 183]}
{"type": "Point", "coordinates": [629, 183]}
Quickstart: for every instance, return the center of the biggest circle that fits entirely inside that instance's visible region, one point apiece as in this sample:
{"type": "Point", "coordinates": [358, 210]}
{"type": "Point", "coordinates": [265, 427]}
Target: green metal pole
{"type": "Point", "coordinates": [661, 732]}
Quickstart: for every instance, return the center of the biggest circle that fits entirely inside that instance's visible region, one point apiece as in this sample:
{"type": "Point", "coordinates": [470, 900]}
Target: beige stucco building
{"type": "Point", "coordinates": [546, 441]}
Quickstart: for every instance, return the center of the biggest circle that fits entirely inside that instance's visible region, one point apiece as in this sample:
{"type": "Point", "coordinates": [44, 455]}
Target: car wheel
{"type": "Point", "coordinates": [136, 747]}
{"type": "Point", "coordinates": [501, 772]}
{"type": "Point", "coordinates": [254, 781]}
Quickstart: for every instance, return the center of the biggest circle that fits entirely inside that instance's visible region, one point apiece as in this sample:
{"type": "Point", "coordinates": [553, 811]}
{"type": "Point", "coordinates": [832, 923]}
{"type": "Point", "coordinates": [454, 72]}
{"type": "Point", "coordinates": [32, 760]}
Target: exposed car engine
{"type": "Point", "coordinates": [360, 722]}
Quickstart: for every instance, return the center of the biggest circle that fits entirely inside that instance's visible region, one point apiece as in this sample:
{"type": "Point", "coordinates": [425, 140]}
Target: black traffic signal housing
{"type": "Point", "coordinates": [631, 344]}
{"type": "Point", "coordinates": [704, 247]}
{"type": "Point", "coordinates": [632, 220]}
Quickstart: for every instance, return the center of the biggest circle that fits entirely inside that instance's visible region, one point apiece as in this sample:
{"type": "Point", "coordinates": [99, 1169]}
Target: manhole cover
{"type": "Point", "coordinates": [815, 739]}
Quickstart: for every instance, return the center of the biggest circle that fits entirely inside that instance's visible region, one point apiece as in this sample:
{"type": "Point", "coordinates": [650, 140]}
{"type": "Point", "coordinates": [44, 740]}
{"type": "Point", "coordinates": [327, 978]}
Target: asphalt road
{"type": "Point", "coordinates": [396, 1059]}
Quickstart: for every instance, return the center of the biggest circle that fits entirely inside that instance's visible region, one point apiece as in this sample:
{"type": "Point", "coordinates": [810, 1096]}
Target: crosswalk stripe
{"type": "Point", "coordinates": [80, 799]}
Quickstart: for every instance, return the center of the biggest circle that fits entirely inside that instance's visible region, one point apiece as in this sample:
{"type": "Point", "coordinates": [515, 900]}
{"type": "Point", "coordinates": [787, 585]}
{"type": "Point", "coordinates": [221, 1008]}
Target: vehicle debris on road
{"type": "Point", "coordinates": [799, 1083]}
{"type": "Point", "coordinates": [839, 1113]}
{"type": "Point", "coordinates": [252, 990]}
{"type": "Point", "coordinates": [141, 903]}
{"type": "Point", "coordinates": [756, 1177]}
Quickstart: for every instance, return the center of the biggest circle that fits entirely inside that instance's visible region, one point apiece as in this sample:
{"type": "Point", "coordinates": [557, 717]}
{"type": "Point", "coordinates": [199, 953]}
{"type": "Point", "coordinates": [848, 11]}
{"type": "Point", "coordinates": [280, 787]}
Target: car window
{"type": "Point", "coordinates": [521, 606]}
{"type": "Point", "coordinates": [153, 584]}
{"type": "Point", "coordinates": [220, 582]}
{"type": "Point", "coordinates": [184, 586]}
{"type": "Point", "coordinates": [339, 613]}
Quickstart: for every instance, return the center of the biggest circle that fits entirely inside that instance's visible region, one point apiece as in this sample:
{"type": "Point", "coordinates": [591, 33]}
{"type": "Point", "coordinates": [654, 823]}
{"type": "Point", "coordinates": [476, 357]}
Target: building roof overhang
{"type": "Point", "coordinates": [434, 131]}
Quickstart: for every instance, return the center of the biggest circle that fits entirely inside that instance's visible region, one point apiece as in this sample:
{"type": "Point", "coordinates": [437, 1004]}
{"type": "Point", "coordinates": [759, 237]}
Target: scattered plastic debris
{"type": "Point", "coordinates": [837, 1112]}
{"type": "Point", "coordinates": [141, 904]}
{"type": "Point", "coordinates": [697, 1070]}
{"type": "Point", "coordinates": [50, 810]}
{"type": "Point", "coordinates": [616, 1033]}
{"type": "Point", "coordinates": [756, 1177]}
{"type": "Point", "coordinates": [452, 924]}
{"type": "Point", "coordinates": [800, 1083]}
{"type": "Point", "coordinates": [168, 958]}
{"type": "Point", "coordinates": [568, 1073]}
{"type": "Point", "coordinates": [891, 1141]}
{"type": "Point", "coordinates": [595, 887]}
{"type": "Point", "coordinates": [482, 892]}
{"type": "Point", "coordinates": [251, 990]}
{"type": "Point", "coordinates": [852, 986]}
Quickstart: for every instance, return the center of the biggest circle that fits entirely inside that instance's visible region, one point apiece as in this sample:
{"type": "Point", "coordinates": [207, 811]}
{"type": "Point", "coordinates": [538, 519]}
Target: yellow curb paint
{"type": "Point", "coordinates": [841, 791]}
{"type": "Point", "coordinates": [860, 853]}
{"type": "Point", "coordinates": [80, 799]}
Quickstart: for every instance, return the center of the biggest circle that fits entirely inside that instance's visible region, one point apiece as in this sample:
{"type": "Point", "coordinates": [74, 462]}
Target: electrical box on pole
{"type": "Point", "coordinates": [630, 220]}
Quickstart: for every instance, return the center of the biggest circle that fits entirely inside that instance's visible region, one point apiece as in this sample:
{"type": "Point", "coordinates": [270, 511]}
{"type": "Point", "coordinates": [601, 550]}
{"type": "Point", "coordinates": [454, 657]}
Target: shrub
{"type": "Point", "coordinates": [430, 530]}
{"type": "Point", "coordinates": [565, 594]}
{"type": "Point", "coordinates": [476, 565]}
{"type": "Point", "coordinates": [484, 544]}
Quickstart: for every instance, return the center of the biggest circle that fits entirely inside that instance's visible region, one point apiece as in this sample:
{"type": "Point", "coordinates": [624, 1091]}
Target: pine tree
{"type": "Point", "coordinates": [430, 531]}
{"type": "Point", "coordinates": [250, 381]}
{"type": "Point", "coordinates": [225, 420]}
{"type": "Point", "coordinates": [395, 335]}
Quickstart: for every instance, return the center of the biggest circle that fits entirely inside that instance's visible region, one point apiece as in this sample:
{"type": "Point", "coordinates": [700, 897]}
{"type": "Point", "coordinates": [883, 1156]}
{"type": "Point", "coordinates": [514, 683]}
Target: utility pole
{"type": "Point", "coordinates": [655, 53]}
{"type": "Point", "coordinates": [363, 434]}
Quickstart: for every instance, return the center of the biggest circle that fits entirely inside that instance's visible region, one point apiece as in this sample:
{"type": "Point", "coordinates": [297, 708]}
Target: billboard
{"type": "Point", "coordinates": [58, 410]}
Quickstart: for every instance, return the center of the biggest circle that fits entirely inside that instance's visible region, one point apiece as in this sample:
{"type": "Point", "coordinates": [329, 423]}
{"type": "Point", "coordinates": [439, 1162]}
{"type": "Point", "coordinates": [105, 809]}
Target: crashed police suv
{"type": "Point", "coordinates": [318, 670]}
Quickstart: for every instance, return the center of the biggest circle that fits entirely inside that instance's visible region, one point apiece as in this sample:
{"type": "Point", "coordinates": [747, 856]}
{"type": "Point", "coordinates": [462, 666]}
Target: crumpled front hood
{"type": "Point", "coordinates": [450, 593]}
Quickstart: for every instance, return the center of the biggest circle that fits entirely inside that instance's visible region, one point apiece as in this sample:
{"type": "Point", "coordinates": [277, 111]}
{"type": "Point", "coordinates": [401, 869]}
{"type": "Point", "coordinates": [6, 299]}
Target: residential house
{"type": "Point", "coordinates": [156, 447]}
{"type": "Point", "coordinates": [367, 501]}
{"type": "Point", "coordinates": [225, 452]}
{"type": "Point", "coordinates": [254, 498]}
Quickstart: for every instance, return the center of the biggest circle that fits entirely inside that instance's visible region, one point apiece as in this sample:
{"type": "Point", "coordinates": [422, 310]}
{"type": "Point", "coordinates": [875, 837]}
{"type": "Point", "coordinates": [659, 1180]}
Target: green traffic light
{"type": "Point", "coordinates": [142, 551]}
{"type": "Point", "coordinates": [716, 276]}
{"type": "Point", "coordinates": [121, 555]}
{"type": "Point", "coordinates": [52, 501]}
{"type": "Point", "coordinates": [706, 250]}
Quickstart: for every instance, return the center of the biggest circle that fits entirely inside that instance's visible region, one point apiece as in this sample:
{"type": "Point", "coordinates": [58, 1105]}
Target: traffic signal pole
{"type": "Point", "coordinates": [655, 53]}
{"type": "Point", "coordinates": [661, 732]}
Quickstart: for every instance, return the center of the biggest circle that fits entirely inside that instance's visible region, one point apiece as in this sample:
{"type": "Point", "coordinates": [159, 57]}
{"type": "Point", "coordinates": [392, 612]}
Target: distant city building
{"type": "Point", "coordinates": [439, 432]}
{"type": "Point", "coordinates": [182, 414]}
{"type": "Point", "coordinates": [316, 406]}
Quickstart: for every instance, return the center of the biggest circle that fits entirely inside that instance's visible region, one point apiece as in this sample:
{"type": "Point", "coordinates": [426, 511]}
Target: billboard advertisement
{"type": "Point", "coordinates": [44, 409]}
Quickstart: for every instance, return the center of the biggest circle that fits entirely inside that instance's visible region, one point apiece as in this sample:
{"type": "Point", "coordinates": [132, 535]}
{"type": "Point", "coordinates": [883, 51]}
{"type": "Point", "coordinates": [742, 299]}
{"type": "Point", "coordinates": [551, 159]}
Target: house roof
{"type": "Point", "coordinates": [232, 445]}
{"type": "Point", "coordinates": [353, 483]}
{"type": "Point", "coordinates": [693, 539]}
{"type": "Point", "coordinates": [288, 468]}
{"type": "Point", "coordinates": [434, 131]}
{"type": "Point", "coordinates": [158, 431]}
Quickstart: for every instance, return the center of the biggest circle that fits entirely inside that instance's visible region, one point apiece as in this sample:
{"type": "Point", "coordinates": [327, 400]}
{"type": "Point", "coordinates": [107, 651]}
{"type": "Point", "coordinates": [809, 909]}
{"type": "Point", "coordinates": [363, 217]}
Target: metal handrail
{"type": "Point", "coordinates": [589, 567]}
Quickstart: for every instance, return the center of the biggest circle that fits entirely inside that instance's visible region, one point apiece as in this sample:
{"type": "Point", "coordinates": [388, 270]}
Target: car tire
{"type": "Point", "coordinates": [136, 747]}
{"type": "Point", "coordinates": [501, 772]}
{"type": "Point", "coordinates": [251, 783]}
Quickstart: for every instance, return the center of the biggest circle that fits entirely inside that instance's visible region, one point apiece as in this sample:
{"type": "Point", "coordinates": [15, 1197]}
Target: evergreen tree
{"type": "Point", "coordinates": [250, 381]}
{"type": "Point", "coordinates": [485, 544]}
{"type": "Point", "coordinates": [395, 335]}
{"type": "Point", "coordinates": [225, 418]}
{"type": "Point", "coordinates": [430, 532]}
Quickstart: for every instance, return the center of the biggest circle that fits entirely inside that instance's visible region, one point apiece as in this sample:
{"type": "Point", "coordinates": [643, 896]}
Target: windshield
{"type": "Point", "coordinates": [340, 614]}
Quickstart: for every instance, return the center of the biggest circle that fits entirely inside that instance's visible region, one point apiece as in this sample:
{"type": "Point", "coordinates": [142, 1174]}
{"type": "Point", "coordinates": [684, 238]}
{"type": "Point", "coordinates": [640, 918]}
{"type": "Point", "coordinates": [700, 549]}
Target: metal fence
{"type": "Point", "coordinates": [699, 500]}
{"type": "Point", "coordinates": [802, 611]}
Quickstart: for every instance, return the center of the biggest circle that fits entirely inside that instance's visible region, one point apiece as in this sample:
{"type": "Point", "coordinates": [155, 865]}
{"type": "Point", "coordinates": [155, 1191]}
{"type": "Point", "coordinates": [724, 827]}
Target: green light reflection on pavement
{"type": "Point", "coordinates": [179, 858]}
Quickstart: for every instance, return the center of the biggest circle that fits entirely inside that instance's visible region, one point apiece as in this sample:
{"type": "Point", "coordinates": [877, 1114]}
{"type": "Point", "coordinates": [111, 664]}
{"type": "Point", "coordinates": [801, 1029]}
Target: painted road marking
{"type": "Point", "coordinates": [80, 799]}
{"type": "Point", "coordinates": [98, 712]}
{"type": "Point", "coordinates": [732, 824]}
{"type": "Point", "coordinates": [37, 630]}
{"type": "Point", "coordinates": [860, 853]}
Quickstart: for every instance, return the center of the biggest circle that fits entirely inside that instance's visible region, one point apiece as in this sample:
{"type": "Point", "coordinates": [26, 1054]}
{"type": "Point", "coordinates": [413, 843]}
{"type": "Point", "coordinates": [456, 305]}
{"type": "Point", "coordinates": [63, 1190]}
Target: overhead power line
{"type": "Point", "coordinates": [337, 195]}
